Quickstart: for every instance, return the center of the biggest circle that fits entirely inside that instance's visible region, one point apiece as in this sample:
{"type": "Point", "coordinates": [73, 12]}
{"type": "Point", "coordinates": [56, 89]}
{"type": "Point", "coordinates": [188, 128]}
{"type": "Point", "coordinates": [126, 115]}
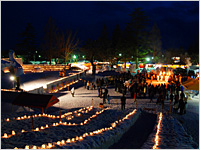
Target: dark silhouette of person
{"type": "Point", "coordinates": [123, 102]}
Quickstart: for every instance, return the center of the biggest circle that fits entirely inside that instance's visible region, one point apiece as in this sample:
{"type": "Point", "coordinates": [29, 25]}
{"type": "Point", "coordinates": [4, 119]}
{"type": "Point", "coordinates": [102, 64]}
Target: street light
{"type": "Point", "coordinates": [12, 78]}
{"type": "Point", "coordinates": [120, 54]}
{"type": "Point", "coordinates": [148, 59]}
{"type": "Point", "coordinates": [74, 56]}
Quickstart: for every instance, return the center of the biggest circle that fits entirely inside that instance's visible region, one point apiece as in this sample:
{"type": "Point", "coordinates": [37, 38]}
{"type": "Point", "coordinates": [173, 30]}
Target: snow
{"type": "Point", "coordinates": [170, 127]}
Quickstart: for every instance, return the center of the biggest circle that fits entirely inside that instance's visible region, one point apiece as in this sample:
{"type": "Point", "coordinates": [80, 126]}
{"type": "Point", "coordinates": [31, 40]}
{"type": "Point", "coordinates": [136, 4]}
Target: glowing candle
{"type": "Point", "coordinates": [50, 145]}
{"type": "Point", "coordinates": [34, 147]}
{"type": "Point", "coordinates": [68, 141]}
{"type": "Point", "coordinates": [18, 118]}
{"type": "Point", "coordinates": [26, 147]}
{"type": "Point", "coordinates": [58, 143]}
{"type": "Point", "coordinates": [5, 135]}
{"type": "Point", "coordinates": [63, 141]}
{"type": "Point", "coordinates": [91, 134]}
{"type": "Point", "coordinates": [40, 115]}
{"type": "Point", "coordinates": [43, 146]}
{"type": "Point", "coordinates": [7, 119]}
{"type": "Point", "coordinates": [37, 129]}
{"type": "Point", "coordinates": [13, 132]}
{"type": "Point", "coordinates": [73, 139]}
{"type": "Point", "coordinates": [80, 138]}
{"type": "Point", "coordinates": [15, 148]}
{"type": "Point", "coordinates": [23, 131]}
{"type": "Point", "coordinates": [42, 127]}
{"type": "Point", "coordinates": [76, 138]}
{"type": "Point", "coordinates": [47, 126]}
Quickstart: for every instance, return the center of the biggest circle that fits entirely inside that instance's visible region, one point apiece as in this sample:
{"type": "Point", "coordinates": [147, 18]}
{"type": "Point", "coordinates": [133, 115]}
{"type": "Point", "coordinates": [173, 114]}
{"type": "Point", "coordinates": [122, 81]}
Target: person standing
{"type": "Point", "coordinates": [181, 106]}
{"type": "Point", "coordinates": [104, 98]}
{"type": "Point", "coordinates": [123, 102]}
{"type": "Point", "coordinates": [73, 91]}
{"type": "Point", "coordinates": [106, 92]}
{"type": "Point", "coordinates": [88, 85]}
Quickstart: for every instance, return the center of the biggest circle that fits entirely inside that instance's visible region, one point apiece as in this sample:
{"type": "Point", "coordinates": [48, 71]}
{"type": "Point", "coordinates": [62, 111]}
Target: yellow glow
{"type": "Point", "coordinates": [26, 147]}
{"type": "Point", "coordinates": [34, 147]}
{"type": "Point", "coordinates": [13, 132]}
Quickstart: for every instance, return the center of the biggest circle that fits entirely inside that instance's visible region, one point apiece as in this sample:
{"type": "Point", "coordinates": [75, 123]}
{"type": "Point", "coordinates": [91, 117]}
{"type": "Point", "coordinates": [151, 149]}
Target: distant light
{"type": "Point", "coordinates": [39, 56]}
{"type": "Point", "coordinates": [148, 59]}
{"type": "Point", "coordinates": [162, 55]}
{"type": "Point", "coordinates": [131, 56]}
{"type": "Point", "coordinates": [74, 56]}
{"type": "Point", "coordinates": [35, 51]}
{"type": "Point", "coordinates": [12, 78]}
{"type": "Point", "coordinates": [120, 54]}
{"type": "Point", "coordinates": [152, 57]}
{"type": "Point", "coordinates": [83, 56]}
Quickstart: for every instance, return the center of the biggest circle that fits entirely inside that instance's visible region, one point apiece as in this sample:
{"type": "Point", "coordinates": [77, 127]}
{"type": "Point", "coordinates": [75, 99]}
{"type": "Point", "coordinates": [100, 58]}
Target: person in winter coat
{"type": "Point", "coordinates": [181, 106]}
{"type": "Point", "coordinates": [123, 102]}
{"type": "Point", "coordinates": [73, 91]}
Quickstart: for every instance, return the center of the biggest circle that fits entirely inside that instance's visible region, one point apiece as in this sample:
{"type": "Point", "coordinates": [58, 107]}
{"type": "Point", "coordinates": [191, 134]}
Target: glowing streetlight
{"type": "Point", "coordinates": [148, 59]}
{"type": "Point", "coordinates": [83, 56]}
{"type": "Point", "coordinates": [12, 78]}
{"type": "Point", "coordinates": [39, 56]}
{"type": "Point", "coordinates": [120, 54]}
{"type": "Point", "coordinates": [74, 56]}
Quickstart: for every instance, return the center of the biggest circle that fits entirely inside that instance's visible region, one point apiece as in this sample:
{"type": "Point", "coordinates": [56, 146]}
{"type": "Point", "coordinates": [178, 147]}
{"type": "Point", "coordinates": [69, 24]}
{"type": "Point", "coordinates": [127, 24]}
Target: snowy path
{"type": "Point", "coordinates": [83, 98]}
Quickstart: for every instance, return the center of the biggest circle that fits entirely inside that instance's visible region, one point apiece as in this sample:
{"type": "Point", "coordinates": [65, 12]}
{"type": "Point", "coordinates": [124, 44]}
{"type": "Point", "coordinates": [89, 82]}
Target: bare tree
{"type": "Point", "coordinates": [70, 44]}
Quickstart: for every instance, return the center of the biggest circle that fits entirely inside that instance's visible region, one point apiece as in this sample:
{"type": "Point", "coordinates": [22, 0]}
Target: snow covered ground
{"type": "Point", "coordinates": [54, 133]}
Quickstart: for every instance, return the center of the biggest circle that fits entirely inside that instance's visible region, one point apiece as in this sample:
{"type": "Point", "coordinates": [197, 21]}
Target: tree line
{"type": "Point", "coordinates": [134, 43]}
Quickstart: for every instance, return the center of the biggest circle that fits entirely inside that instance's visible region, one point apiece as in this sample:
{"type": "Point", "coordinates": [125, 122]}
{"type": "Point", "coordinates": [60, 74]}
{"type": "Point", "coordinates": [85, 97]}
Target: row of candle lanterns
{"type": "Point", "coordinates": [50, 116]}
{"type": "Point", "coordinates": [62, 123]}
{"type": "Point", "coordinates": [157, 132]}
{"type": "Point", "coordinates": [163, 76]}
{"type": "Point", "coordinates": [80, 138]}
{"type": "Point", "coordinates": [62, 87]}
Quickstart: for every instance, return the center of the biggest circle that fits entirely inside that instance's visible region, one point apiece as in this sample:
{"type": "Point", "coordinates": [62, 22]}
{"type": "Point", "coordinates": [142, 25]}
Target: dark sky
{"type": "Point", "coordinates": [178, 20]}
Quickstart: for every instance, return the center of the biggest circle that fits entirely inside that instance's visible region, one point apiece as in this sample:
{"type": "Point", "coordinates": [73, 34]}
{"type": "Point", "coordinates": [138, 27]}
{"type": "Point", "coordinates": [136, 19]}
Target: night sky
{"type": "Point", "coordinates": [178, 20]}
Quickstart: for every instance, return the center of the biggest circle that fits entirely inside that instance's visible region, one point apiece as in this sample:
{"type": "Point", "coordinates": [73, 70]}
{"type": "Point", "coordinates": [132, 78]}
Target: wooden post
{"type": "Point", "coordinates": [92, 102]}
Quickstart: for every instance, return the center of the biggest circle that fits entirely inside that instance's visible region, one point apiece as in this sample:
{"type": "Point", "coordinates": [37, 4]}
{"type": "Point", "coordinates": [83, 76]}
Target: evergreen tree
{"type": "Point", "coordinates": [49, 42]}
{"type": "Point", "coordinates": [137, 27]}
{"type": "Point", "coordinates": [155, 42]}
{"type": "Point", "coordinates": [104, 44]}
{"type": "Point", "coordinates": [27, 46]}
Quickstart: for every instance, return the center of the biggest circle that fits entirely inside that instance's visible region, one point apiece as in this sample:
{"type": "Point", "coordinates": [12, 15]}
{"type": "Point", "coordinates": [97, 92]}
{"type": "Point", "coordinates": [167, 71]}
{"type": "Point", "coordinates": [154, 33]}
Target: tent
{"type": "Point", "coordinates": [35, 100]}
{"type": "Point", "coordinates": [191, 84]}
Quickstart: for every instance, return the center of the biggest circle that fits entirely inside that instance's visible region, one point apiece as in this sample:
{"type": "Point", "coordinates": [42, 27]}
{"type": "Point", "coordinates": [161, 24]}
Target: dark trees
{"type": "Point", "coordinates": [137, 27]}
{"type": "Point", "coordinates": [49, 45]}
{"type": "Point", "coordinates": [155, 42]}
{"type": "Point", "coordinates": [27, 46]}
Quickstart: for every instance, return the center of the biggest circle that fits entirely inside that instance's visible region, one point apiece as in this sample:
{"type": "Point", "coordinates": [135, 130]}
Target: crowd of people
{"type": "Point", "coordinates": [138, 88]}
